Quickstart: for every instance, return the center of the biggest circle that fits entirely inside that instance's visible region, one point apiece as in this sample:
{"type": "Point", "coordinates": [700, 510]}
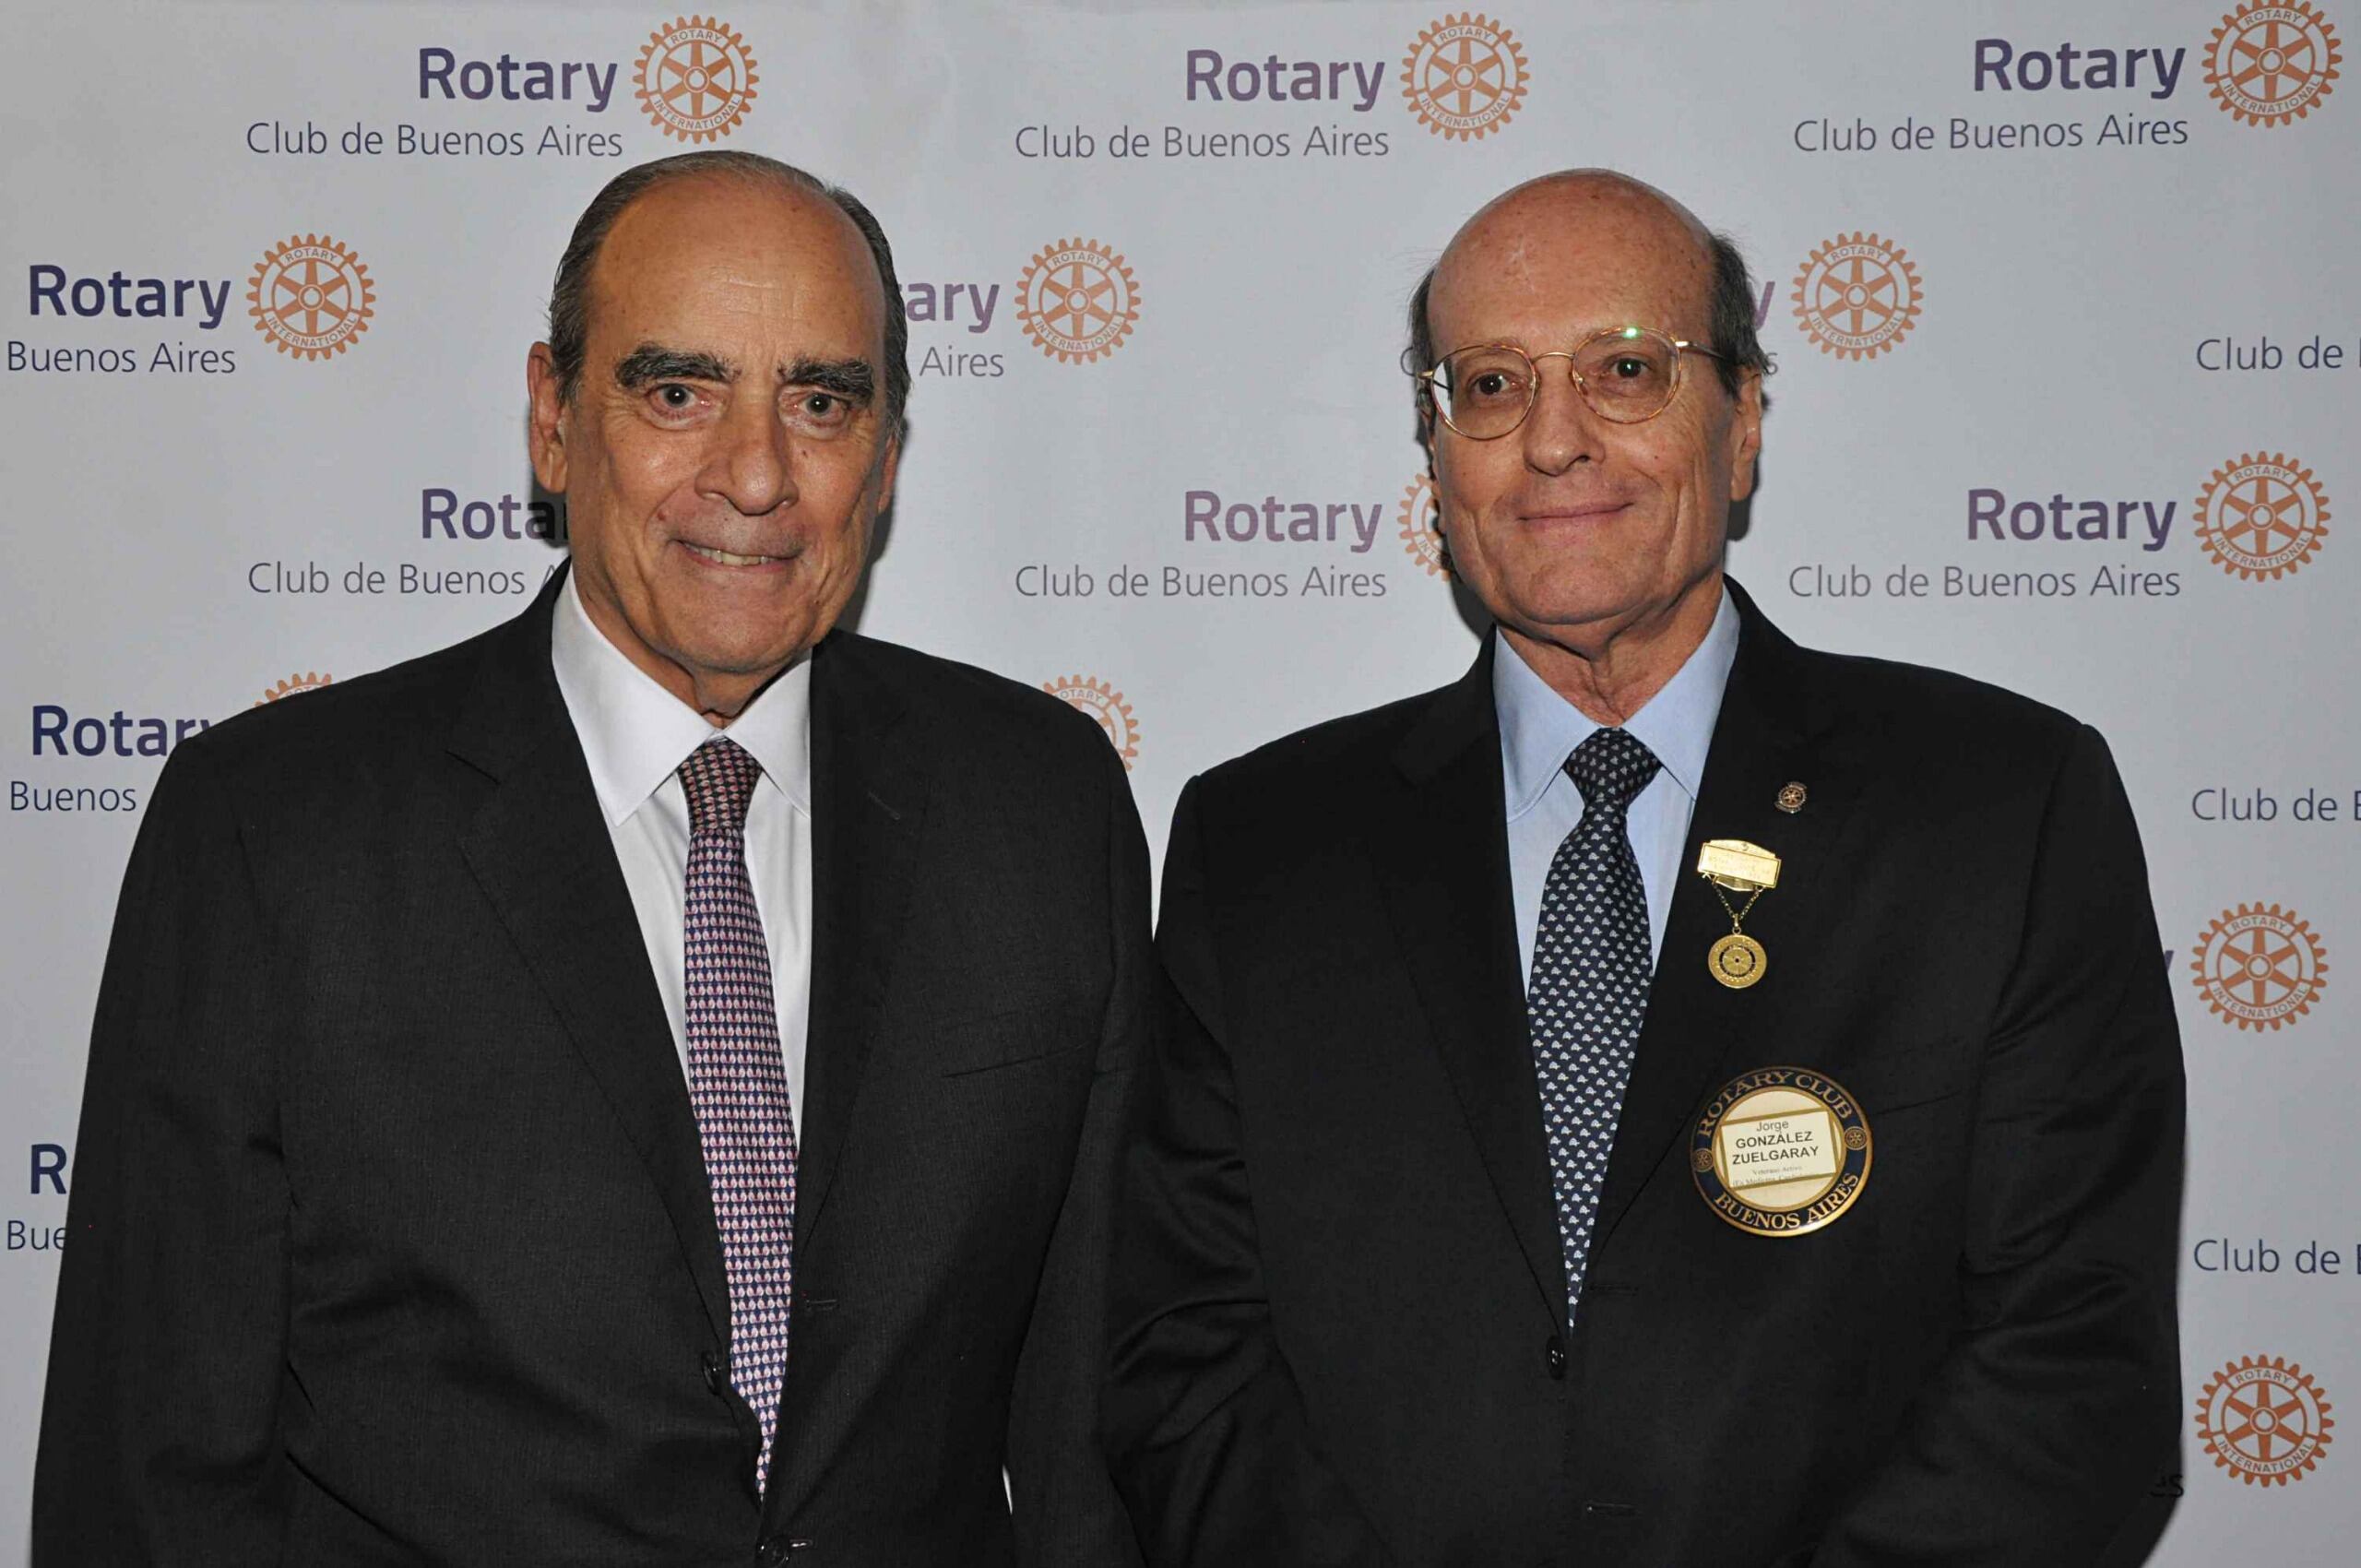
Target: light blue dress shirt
{"type": "Point", "coordinates": [1540, 730]}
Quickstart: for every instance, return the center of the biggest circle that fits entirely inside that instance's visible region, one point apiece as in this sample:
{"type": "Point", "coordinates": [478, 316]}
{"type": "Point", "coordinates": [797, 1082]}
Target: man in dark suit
{"type": "Point", "coordinates": [1510, 1192]}
{"type": "Point", "coordinates": [643, 1085]}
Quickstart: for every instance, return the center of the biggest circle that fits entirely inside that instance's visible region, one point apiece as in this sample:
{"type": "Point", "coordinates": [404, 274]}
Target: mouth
{"type": "Point", "coordinates": [1575, 512]}
{"type": "Point", "coordinates": [728, 558]}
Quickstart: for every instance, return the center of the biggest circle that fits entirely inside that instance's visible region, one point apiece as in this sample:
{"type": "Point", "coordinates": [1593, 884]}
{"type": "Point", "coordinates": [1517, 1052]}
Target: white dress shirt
{"type": "Point", "coordinates": [1540, 730]}
{"type": "Point", "coordinates": [636, 735]}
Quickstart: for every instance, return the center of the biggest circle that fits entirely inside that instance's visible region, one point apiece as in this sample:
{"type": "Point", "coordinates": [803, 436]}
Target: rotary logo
{"type": "Point", "coordinates": [2264, 1419]}
{"type": "Point", "coordinates": [2262, 517]}
{"type": "Point", "coordinates": [1077, 301]}
{"type": "Point", "coordinates": [2268, 65]}
{"type": "Point", "coordinates": [311, 297]}
{"type": "Point", "coordinates": [2260, 965]}
{"type": "Point", "coordinates": [309, 682]}
{"type": "Point", "coordinates": [695, 78]}
{"type": "Point", "coordinates": [1465, 76]}
{"type": "Point", "coordinates": [1421, 520]}
{"type": "Point", "coordinates": [1858, 296]}
{"type": "Point", "coordinates": [1105, 704]}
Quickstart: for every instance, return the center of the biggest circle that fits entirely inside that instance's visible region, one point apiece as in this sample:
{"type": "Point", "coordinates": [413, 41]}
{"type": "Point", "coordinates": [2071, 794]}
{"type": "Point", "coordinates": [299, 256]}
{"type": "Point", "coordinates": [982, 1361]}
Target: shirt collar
{"type": "Point", "coordinates": [635, 734]}
{"type": "Point", "coordinates": [1540, 730]}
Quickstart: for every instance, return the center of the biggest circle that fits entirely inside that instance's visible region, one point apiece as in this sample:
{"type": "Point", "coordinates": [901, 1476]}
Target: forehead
{"type": "Point", "coordinates": [699, 259]}
{"type": "Point", "coordinates": [1555, 262]}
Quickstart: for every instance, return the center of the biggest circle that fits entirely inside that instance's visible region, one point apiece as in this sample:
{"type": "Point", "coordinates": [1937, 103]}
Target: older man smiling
{"type": "Point", "coordinates": [642, 1085]}
{"type": "Point", "coordinates": [1672, 1096]}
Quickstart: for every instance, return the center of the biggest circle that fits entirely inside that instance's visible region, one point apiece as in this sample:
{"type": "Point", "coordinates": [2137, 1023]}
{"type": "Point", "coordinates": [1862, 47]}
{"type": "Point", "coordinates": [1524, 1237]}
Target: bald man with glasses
{"type": "Point", "coordinates": [1671, 1098]}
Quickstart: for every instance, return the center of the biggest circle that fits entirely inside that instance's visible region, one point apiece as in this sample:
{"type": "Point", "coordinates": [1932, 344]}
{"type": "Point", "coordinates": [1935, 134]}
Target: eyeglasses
{"type": "Point", "coordinates": [1625, 373]}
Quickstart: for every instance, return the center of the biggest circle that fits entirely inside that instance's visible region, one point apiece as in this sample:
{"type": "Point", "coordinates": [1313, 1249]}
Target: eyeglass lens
{"type": "Point", "coordinates": [1626, 376]}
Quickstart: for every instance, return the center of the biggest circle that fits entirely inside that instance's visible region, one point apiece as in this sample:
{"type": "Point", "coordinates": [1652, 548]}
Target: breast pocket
{"type": "Point", "coordinates": [1905, 1076]}
{"type": "Point", "coordinates": [1010, 1037]}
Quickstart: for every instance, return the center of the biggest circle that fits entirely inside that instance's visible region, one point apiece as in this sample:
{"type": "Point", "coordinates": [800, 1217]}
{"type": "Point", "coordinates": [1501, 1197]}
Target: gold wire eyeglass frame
{"type": "Point", "coordinates": [1428, 379]}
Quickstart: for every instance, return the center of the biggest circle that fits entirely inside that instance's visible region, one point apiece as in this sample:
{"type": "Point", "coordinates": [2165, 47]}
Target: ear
{"type": "Point", "coordinates": [1427, 437]}
{"type": "Point", "coordinates": [889, 463]}
{"type": "Point", "coordinates": [1746, 434]}
{"type": "Point", "coordinates": [546, 417]}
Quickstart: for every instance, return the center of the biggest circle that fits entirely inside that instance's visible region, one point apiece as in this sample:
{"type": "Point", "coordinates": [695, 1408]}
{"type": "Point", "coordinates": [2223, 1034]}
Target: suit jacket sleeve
{"type": "Point", "coordinates": [2058, 1402]}
{"type": "Point", "coordinates": [1066, 1513]}
{"type": "Point", "coordinates": [160, 1437]}
{"type": "Point", "coordinates": [1211, 1445]}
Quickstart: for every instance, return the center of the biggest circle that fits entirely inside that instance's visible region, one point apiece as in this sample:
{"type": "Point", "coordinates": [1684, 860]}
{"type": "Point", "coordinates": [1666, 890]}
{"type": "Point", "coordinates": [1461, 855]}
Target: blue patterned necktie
{"type": "Point", "coordinates": [1588, 992]}
{"type": "Point", "coordinates": [738, 1078]}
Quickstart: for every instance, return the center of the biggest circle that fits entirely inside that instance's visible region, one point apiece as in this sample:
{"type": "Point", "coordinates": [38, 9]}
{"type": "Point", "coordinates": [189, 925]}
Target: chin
{"type": "Point", "coordinates": [1578, 602]}
{"type": "Point", "coordinates": [744, 658]}
{"type": "Point", "coordinates": [724, 650]}
{"type": "Point", "coordinates": [735, 626]}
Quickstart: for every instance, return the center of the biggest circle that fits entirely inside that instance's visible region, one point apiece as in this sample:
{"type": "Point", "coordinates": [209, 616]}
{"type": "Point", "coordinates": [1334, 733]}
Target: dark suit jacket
{"type": "Point", "coordinates": [1341, 1334]}
{"type": "Point", "coordinates": [391, 1239]}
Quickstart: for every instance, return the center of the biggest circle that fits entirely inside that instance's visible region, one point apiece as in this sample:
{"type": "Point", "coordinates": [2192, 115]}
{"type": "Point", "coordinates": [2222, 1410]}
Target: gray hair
{"type": "Point", "coordinates": [570, 294]}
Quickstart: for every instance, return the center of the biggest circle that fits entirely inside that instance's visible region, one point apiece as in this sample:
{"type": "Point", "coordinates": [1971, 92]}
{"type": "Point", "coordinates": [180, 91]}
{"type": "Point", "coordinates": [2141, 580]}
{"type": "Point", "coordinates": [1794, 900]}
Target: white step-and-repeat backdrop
{"type": "Point", "coordinates": [2063, 299]}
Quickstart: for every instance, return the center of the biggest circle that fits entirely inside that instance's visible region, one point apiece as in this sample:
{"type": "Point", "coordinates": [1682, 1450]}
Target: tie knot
{"type": "Point", "coordinates": [1611, 767]}
{"type": "Point", "coordinates": [719, 779]}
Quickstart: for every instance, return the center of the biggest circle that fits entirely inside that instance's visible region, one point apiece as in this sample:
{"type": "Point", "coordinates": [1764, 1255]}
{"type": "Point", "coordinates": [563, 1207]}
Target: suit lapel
{"type": "Point", "coordinates": [870, 784]}
{"type": "Point", "coordinates": [540, 848]}
{"type": "Point", "coordinates": [1772, 730]}
{"type": "Point", "coordinates": [1447, 891]}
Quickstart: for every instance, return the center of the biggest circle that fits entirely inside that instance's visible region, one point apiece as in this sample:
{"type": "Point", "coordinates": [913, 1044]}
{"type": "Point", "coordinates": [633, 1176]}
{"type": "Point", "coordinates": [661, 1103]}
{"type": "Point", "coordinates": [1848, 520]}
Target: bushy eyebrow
{"type": "Point", "coordinates": [853, 380]}
{"type": "Point", "coordinates": [652, 363]}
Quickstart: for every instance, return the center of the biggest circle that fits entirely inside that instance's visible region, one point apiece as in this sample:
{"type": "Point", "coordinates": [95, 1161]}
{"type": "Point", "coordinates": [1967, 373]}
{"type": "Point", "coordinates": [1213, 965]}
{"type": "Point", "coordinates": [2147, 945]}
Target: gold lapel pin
{"type": "Point", "coordinates": [1792, 797]}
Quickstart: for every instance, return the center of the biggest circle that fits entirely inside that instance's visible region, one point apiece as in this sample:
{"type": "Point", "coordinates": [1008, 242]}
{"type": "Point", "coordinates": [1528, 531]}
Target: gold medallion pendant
{"type": "Point", "coordinates": [1732, 865]}
{"type": "Point", "coordinates": [1738, 960]}
{"type": "Point", "coordinates": [1781, 1151]}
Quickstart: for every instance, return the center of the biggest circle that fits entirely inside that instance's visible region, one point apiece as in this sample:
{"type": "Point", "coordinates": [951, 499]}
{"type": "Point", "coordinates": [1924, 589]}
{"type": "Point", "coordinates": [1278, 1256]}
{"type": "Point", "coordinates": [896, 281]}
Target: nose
{"type": "Point", "coordinates": [1561, 428]}
{"type": "Point", "coordinates": [751, 464]}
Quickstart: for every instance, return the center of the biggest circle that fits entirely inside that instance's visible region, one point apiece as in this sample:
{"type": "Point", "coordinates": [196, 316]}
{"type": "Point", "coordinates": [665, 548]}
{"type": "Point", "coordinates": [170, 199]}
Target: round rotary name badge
{"type": "Point", "coordinates": [1781, 1151]}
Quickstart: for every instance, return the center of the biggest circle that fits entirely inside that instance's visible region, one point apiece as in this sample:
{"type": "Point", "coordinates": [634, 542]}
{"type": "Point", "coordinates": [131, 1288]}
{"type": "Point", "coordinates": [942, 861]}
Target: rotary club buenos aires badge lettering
{"type": "Point", "coordinates": [1781, 1151]}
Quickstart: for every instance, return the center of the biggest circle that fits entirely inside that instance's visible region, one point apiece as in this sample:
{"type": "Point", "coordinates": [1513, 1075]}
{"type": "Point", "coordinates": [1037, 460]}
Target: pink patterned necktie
{"type": "Point", "coordinates": [738, 1078]}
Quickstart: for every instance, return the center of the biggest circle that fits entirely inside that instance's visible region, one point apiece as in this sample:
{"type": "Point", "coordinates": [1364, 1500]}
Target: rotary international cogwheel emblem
{"type": "Point", "coordinates": [2268, 65]}
{"type": "Point", "coordinates": [1858, 296]}
{"type": "Point", "coordinates": [1421, 519]}
{"type": "Point", "coordinates": [1105, 704]}
{"type": "Point", "coordinates": [2265, 1419]}
{"type": "Point", "coordinates": [311, 297]}
{"type": "Point", "coordinates": [1465, 76]}
{"type": "Point", "coordinates": [1077, 301]}
{"type": "Point", "coordinates": [2262, 516]}
{"type": "Point", "coordinates": [2260, 965]}
{"type": "Point", "coordinates": [293, 683]}
{"type": "Point", "coordinates": [695, 78]}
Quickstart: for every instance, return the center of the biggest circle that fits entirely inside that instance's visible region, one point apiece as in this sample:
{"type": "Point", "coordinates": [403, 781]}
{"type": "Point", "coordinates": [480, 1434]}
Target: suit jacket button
{"type": "Point", "coordinates": [1553, 1356]}
{"type": "Point", "coordinates": [714, 1382]}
